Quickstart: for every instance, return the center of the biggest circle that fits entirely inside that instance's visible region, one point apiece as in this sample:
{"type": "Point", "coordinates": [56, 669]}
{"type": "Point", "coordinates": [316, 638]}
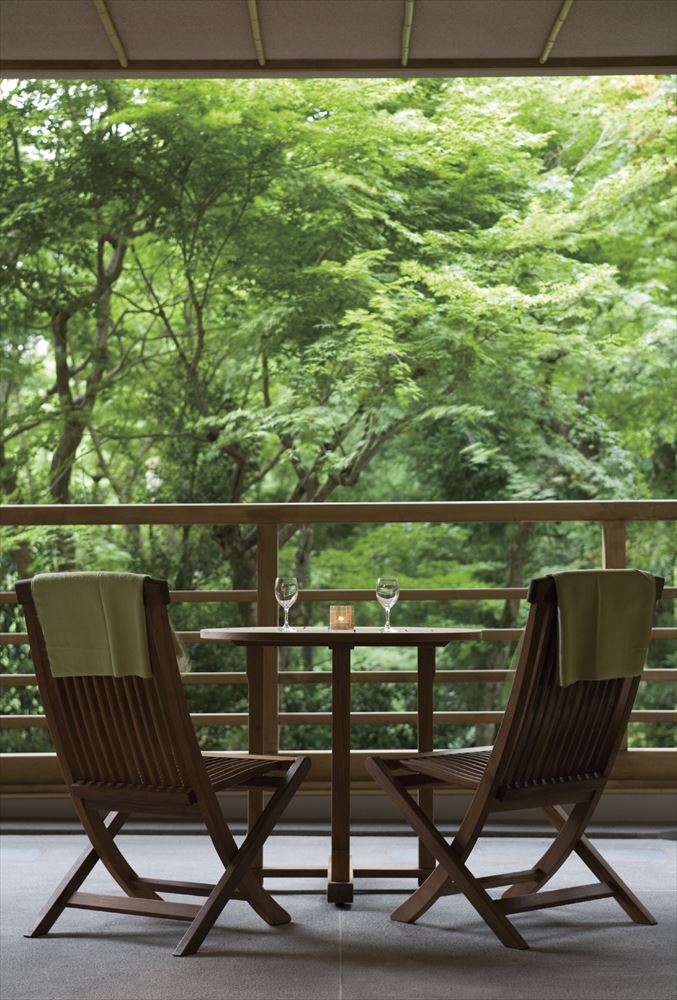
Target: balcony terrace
{"type": "Point", "coordinates": [642, 775]}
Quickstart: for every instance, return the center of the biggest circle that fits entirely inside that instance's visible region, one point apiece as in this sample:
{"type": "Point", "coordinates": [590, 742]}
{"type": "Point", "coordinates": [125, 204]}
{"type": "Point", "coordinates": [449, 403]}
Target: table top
{"type": "Point", "coordinates": [314, 636]}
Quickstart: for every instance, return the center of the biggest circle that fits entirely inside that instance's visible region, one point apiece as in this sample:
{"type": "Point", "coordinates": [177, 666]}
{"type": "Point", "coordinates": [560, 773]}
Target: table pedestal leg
{"type": "Point", "coordinates": [259, 732]}
{"type": "Point", "coordinates": [340, 885]}
{"type": "Point", "coordinates": [426, 680]}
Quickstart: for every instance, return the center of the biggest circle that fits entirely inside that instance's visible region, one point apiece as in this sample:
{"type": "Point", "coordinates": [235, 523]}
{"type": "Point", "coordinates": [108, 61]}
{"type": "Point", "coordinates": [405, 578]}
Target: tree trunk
{"type": "Point", "coordinates": [499, 657]}
{"type": "Point", "coordinates": [19, 554]}
{"type": "Point", "coordinates": [304, 612]}
{"type": "Point", "coordinates": [241, 557]}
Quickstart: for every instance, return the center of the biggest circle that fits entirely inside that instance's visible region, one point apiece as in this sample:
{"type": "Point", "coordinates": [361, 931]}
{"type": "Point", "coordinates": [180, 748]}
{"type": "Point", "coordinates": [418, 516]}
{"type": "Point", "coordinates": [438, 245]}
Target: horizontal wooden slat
{"type": "Point", "coordinates": [134, 905]}
{"type": "Point", "coordinates": [555, 897]}
{"type": "Point", "coordinates": [211, 596]}
{"type": "Point", "coordinates": [663, 633]}
{"type": "Point", "coordinates": [395, 676]}
{"type": "Point", "coordinates": [13, 638]}
{"type": "Point", "coordinates": [476, 511]}
{"type": "Point", "coordinates": [23, 722]}
{"type": "Point", "coordinates": [510, 634]}
{"type": "Point", "coordinates": [420, 594]}
{"type": "Point", "coordinates": [356, 677]}
{"type": "Point", "coordinates": [488, 635]}
{"type": "Point", "coordinates": [406, 594]}
{"type": "Point", "coordinates": [668, 716]}
{"type": "Point", "coordinates": [389, 718]}
{"type": "Point", "coordinates": [356, 719]}
{"type": "Point", "coordinates": [643, 767]}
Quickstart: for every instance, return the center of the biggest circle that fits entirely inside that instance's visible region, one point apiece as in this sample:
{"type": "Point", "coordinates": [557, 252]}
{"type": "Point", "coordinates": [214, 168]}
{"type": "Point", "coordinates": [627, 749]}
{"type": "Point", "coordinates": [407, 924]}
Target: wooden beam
{"type": "Point", "coordinates": [406, 30]}
{"type": "Point", "coordinates": [434, 512]}
{"type": "Point", "coordinates": [249, 68]}
{"type": "Point", "coordinates": [256, 32]}
{"type": "Point", "coordinates": [111, 31]}
{"type": "Point", "coordinates": [555, 30]}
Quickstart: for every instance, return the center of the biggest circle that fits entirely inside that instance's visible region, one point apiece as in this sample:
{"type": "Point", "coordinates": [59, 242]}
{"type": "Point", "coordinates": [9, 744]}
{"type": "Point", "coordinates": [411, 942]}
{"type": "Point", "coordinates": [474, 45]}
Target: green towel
{"type": "Point", "coordinates": [605, 621]}
{"type": "Point", "coordinates": [94, 623]}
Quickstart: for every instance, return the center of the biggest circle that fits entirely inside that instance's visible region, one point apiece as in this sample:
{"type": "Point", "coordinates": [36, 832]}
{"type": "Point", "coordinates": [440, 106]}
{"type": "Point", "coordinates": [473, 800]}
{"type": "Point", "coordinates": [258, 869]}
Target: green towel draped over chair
{"type": "Point", "coordinates": [605, 621]}
{"type": "Point", "coordinates": [94, 624]}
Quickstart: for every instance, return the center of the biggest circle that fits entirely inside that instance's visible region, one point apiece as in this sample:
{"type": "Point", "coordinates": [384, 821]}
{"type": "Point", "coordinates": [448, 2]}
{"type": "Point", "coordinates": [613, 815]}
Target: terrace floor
{"type": "Point", "coordinates": [588, 952]}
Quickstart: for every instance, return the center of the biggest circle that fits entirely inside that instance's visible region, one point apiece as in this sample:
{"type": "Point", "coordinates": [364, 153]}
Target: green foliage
{"type": "Point", "coordinates": [237, 291]}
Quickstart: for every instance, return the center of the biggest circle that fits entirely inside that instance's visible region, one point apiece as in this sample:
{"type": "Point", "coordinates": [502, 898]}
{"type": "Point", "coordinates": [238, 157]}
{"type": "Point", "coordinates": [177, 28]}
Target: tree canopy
{"type": "Point", "coordinates": [232, 291]}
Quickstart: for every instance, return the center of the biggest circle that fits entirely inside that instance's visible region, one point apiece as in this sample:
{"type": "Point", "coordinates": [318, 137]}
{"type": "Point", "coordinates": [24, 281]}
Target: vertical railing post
{"type": "Point", "coordinates": [613, 544]}
{"type": "Point", "coordinates": [267, 614]}
{"type": "Point", "coordinates": [425, 739]}
{"type": "Point", "coordinates": [262, 668]}
{"type": "Point", "coordinates": [613, 557]}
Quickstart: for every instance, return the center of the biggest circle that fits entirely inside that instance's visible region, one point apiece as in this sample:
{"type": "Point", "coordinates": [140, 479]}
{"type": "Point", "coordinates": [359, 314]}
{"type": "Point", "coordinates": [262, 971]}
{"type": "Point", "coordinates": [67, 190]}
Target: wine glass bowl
{"type": "Point", "coordinates": [387, 594]}
{"type": "Point", "coordinates": [286, 593]}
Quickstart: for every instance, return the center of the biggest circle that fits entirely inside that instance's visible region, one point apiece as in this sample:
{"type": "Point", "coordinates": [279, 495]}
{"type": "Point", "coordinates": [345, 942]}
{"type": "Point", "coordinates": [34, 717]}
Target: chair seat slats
{"type": "Point", "coordinates": [454, 768]}
{"type": "Point", "coordinates": [228, 771]}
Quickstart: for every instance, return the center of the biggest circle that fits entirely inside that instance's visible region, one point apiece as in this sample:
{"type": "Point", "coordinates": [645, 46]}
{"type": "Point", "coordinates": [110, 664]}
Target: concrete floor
{"type": "Point", "coordinates": [588, 952]}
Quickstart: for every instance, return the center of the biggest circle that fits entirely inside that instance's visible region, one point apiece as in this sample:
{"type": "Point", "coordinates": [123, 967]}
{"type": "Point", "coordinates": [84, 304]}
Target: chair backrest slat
{"type": "Point", "coordinates": [553, 734]}
{"type": "Point", "coordinates": [124, 734]}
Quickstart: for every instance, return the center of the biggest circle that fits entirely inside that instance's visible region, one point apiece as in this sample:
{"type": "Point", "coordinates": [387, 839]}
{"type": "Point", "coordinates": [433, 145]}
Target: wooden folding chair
{"type": "Point", "coordinates": [556, 746]}
{"type": "Point", "coordinates": [127, 744]}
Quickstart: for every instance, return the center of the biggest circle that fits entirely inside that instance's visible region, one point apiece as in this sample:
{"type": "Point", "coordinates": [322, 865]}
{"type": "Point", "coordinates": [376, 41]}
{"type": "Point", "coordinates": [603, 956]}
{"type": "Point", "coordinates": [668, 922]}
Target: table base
{"type": "Point", "coordinates": [260, 645]}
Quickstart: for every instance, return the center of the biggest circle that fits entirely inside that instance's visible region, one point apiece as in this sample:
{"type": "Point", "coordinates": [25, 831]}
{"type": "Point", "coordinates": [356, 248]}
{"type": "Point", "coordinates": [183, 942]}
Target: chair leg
{"type": "Point", "coordinates": [73, 880]}
{"type": "Point", "coordinates": [237, 871]}
{"type": "Point", "coordinates": [570, 831]}
{"type": "Point", "coordinates": [104, 845]}
{"type": "Point", "coordinates": [438, 882]}
{"type": "Point", "coordinates": [602, 870]}
{"type": "Point", "coordinates": [421, 899]}
{"type": "Point", "coordinates": [454, 867]}
{"type": "Point", "coordinates": [250, 888]}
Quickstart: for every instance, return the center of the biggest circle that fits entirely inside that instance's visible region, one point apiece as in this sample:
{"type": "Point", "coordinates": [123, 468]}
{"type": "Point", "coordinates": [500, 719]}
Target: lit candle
{"type": "Point", "coordinates": [341, 616]}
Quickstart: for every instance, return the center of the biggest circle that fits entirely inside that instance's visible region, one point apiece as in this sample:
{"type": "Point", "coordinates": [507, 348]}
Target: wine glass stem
{"type": "Point", "coordinates": [286, 617]}
{"type": "Point", "coordinates": [387, 625]}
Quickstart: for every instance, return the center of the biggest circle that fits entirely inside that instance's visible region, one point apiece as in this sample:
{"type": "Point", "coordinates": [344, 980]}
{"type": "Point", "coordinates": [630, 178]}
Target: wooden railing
{"type": "Point", "coordinates": [26, 773]}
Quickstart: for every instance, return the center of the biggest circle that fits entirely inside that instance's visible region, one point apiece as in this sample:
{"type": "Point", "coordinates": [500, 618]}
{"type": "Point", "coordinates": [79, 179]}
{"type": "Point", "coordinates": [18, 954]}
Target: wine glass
{"type": "Point", "coordinates": [286, 592]}
{"type": "Point", "coordinates": [387, 593]}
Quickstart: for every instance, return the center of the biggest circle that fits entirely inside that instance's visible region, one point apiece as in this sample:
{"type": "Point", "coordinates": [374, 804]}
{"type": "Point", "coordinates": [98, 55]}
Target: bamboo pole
{"type": "Point", "coordinates": [111, 31]}
{"type": "Point", "coordinates": [406, 30]}
{"type": "Point", "coordinates": [555, 30]}
{"type": "Point", "coordinates": [255, 25]}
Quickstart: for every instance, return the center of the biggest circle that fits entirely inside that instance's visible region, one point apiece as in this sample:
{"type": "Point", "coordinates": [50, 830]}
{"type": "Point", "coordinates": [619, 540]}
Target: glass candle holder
{"type": "Point", "coordinates": [341, 616]}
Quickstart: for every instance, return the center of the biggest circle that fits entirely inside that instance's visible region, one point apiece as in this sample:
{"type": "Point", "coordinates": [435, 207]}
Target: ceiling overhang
{"type": "Point", "coordinates": [260, 38]}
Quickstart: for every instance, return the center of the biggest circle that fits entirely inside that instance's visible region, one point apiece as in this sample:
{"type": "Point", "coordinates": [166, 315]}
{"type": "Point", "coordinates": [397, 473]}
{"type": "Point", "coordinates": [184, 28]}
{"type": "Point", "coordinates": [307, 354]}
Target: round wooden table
{"type": "Point", "coordinates": [263, 722]}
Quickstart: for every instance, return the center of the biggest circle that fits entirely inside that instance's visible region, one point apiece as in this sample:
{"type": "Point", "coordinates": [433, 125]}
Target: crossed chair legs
{"type": "Point", "coordinates": [237, 881]}
{"type": "Point", "coordinates": [452, 875]}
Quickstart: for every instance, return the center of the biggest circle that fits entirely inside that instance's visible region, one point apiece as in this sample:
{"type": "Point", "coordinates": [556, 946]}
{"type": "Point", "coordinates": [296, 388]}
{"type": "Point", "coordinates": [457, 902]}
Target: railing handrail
{"type": "Point", "coordinates": [268, 518]}
{"type": "Point", "coordinates": [468, 511]}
